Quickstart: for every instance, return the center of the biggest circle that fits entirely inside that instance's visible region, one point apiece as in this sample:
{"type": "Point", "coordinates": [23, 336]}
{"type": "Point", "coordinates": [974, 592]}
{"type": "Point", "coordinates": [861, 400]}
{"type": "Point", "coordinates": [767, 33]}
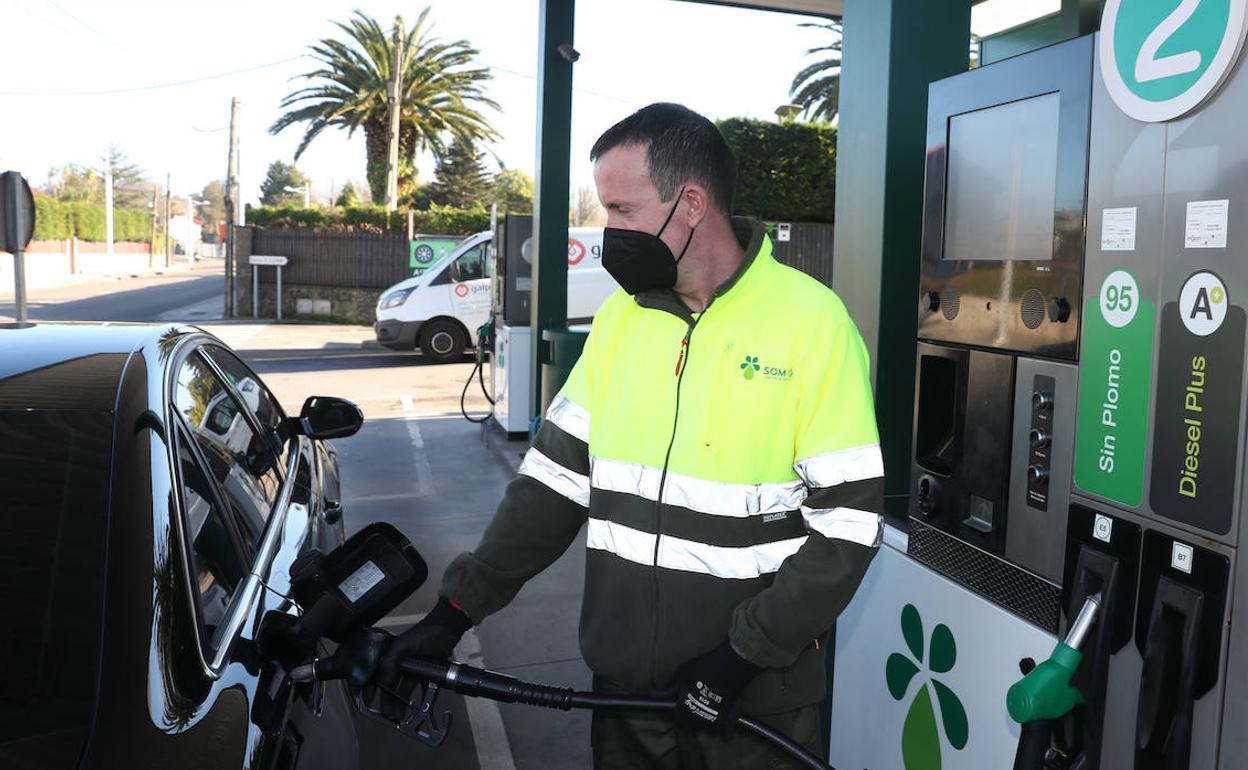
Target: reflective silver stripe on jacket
{"type": "Point", "coordinates": [701, 495]}
{"type": "Point", "coordinates": [570, 416]}
{"type": "Point", "coordinates": [570, 484]}
{"type": "Point", "coordinates": [832, 468]}
{"type": "Point", "coordinates": [688, 556]}
{"type": "Point", "coordinates": [862, 527]}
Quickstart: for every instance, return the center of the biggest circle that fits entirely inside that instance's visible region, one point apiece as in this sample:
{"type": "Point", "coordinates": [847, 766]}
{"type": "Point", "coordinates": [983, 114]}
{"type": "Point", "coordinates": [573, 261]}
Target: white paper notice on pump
{"type": "Point", "coordinates": [1118, 229]}
{"type": "Point", "coordinates": [1206, 225]}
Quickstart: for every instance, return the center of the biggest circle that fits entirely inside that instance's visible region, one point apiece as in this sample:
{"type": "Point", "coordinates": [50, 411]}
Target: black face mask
{"type": "Point", "coordinates": [640, 261]}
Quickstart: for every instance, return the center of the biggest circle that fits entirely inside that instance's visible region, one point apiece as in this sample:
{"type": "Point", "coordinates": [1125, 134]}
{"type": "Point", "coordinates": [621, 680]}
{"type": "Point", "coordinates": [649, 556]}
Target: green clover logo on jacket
{"type": "Point", "coordinates": [749, 367]}
{"type": "Point", "coordinates": [920, 737]}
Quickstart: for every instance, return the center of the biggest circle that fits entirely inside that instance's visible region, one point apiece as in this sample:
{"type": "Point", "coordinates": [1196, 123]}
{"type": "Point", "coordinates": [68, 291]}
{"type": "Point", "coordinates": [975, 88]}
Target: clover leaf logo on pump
{"type": "Point", "coordinates": [920, 736]}
{"type": "Point", "coordinates": [749, 367]}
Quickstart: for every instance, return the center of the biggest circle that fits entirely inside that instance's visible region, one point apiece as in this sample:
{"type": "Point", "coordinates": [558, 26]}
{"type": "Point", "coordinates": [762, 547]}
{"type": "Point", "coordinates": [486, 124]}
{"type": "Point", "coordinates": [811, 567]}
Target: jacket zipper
{"type": "Point", "coordinates": [681, 361]}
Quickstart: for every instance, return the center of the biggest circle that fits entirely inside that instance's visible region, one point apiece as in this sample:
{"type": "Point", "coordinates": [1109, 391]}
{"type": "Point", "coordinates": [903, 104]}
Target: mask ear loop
{"type": "Point", "coordinates": [671, 214]}
{"type": "Point", "coordinates": [688, 241]}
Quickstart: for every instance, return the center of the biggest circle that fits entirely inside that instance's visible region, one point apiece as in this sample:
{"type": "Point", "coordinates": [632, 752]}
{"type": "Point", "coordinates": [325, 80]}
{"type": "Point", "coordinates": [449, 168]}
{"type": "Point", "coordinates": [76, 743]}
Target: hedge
{"type": "Point", "coordinates": [437, 219]}
{"type": "Point", "coordinates": [786, 172]}
{"type": "Point", "coordinates": [58, 221]}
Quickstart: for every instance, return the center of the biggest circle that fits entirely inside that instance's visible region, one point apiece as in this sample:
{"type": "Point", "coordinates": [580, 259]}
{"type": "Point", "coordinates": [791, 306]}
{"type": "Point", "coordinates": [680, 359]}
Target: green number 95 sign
{"type": "Point", "coordinates": [1162, 58]}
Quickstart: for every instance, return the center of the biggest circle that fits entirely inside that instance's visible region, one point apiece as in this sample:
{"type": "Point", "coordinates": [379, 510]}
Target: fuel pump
{"type": "Point", "coordinates": [1078, 420]}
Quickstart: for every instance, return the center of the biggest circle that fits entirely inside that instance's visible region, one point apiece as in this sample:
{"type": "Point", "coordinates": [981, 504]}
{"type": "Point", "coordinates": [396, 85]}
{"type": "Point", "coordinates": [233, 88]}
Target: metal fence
{"type": "Point", "coordinates": [364, 260]}
{"type": "Point", "coordinates": [351, 260]}
{"type": "Point", "coordinates": [808, 249]}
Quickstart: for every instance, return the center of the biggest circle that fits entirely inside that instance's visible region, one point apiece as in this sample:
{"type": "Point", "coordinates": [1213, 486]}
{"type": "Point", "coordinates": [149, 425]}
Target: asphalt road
{"type": "Point", "coordinates": [139, 299]}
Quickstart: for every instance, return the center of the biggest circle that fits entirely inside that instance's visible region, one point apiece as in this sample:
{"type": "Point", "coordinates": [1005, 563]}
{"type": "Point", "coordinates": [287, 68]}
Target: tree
{"type": "Point", "coordinates": [130, 188]}
{"type": "Point", "coordinates": [348, 196]}
{"type": "Point", "coordinates": [817, 88]}
{"type": "Point", "coordinates": [213, 211]}
{"type": "Point", "coordinates": [281, 175]}
{"type": "Point", "coordinates": [513, 191]}
{"type": "Point", "coordinates": [587, 211]}
{"type": "Point", "coordinates": [785, 171]}
{"type": "Point", "coordinates": [460, 180]}
{"type": "Point", "coordinates": [440, 96]}
{"type": "Point", "coordinates": [73, 182]}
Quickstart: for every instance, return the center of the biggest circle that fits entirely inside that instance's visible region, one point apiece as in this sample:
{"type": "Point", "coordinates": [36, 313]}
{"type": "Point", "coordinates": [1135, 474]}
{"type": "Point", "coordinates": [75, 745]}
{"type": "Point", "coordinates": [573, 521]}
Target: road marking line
{"type": "Point", "coordinates": [484, 717]}
{"type": "Point", "coordinates": [493, 748]}
{"type": "Point", "coordinates": [424, 473]}
{"type": "Point", "coordinates": [374, 498]}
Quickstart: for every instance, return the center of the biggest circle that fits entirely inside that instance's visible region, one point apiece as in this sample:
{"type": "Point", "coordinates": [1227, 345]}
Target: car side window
{"type": "Point", "coordinates": [260, 401]}
{"type": "Point", "coordinates": [243, 463]}
{"type": "Point", "coordinates": [218, 565]}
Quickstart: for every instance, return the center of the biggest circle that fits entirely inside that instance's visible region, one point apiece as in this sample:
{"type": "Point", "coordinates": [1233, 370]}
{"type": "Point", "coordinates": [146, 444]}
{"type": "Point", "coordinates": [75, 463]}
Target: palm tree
{"type": "Point", "coordinates": [817, 88]}
{"type": "Point", "coordinates": [441, 94]}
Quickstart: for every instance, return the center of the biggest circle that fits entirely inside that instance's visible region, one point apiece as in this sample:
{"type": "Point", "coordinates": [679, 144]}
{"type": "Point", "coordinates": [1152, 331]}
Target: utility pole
{"type": "Point", "coordinates": [396, 108]}
{"type": "Point", "coordinates": [168, 213]}
{"type": "Point", "coordinates": [231, 205]}
{"type": "Point", "coordinates": [151, 241]}
{"type": "Point", "coordinates": [108, 203]}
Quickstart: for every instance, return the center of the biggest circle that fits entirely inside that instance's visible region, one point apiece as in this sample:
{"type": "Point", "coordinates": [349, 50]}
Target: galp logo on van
{"type": "Point", "coordinates": [576, 252]}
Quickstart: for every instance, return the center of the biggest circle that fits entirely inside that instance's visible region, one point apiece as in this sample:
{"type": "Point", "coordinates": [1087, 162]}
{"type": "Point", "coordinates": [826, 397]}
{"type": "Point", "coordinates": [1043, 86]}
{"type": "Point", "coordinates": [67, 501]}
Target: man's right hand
{"type": "Point", "coordinates": [434, 637]}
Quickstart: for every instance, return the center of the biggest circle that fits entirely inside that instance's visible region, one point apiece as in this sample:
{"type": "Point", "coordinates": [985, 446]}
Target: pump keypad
{"type": "Point", "coordinates": [1040, 440]}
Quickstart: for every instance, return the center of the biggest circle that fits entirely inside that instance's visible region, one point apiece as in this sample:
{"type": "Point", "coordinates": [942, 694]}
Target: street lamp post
{"type": "Point", "coordinates": [191, 203]}
{"type": "Point", "coordinates": [306, 189]}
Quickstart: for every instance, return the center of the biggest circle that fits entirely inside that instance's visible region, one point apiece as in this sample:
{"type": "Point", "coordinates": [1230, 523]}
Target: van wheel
{"type": "Point", "coordinates": [442, 341]}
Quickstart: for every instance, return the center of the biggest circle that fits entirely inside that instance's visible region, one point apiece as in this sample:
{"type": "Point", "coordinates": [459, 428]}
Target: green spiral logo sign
{"type": "Point", "coordinates": [1163, 58]}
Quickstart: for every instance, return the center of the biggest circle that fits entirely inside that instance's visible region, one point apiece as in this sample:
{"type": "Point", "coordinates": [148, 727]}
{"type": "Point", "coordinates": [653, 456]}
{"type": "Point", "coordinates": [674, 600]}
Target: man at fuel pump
{"type": "Point", "coordinates": [718, 438]}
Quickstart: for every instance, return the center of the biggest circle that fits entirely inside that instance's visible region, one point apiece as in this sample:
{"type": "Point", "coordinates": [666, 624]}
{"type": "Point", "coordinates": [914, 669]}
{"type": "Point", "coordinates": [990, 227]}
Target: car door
{"type": "Point", "coordinates": [248, 491]}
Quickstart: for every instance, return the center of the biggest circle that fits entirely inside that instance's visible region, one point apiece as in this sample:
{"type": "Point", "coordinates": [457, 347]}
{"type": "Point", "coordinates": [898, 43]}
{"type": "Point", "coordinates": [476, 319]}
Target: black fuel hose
{"type": "Point", "coordinates": [476, 682]}
{"type": "Point", "coordinates": [1033, 744]}
{"type": "Point", "coordinates": [478, 371]}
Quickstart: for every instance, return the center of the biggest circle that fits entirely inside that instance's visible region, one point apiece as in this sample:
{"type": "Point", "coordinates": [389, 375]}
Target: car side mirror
{"type": "Point", "coordinates": [357, 583]}
{"type": "Point", "coordinates": [324, 417]}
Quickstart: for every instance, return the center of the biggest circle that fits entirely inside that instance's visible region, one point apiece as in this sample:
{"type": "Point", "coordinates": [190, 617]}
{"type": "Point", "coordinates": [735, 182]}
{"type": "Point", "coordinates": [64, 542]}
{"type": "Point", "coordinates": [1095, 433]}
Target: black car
{"type": "Point", "coordinates": [153, 497]}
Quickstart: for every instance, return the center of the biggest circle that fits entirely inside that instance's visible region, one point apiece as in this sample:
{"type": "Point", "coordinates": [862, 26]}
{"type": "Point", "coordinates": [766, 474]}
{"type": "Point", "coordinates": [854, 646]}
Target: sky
{"type": "Point", "coordinates": [155, 77]}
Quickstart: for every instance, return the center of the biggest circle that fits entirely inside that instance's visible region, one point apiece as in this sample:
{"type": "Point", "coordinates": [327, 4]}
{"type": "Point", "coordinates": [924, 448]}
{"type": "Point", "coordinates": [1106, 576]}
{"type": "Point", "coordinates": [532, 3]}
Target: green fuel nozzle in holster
{"type": "Point", "coordinates": [485, 340]}
{"type": "Point", "coordinates": [1046, 692]}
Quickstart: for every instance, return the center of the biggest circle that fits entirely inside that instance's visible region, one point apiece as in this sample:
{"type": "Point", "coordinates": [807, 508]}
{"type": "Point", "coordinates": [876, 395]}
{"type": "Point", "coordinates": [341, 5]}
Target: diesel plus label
{"type": "Point", "coordinates": [1200, 370]}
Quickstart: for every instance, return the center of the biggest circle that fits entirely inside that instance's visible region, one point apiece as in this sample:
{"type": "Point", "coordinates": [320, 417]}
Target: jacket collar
{"type": "Point", "coordinates": [753, 238]}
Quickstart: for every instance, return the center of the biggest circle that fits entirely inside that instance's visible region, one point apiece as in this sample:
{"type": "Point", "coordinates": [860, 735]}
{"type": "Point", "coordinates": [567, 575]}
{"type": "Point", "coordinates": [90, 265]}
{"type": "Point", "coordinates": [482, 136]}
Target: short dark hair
{"type": "Point", "coordinates": [681, 146]}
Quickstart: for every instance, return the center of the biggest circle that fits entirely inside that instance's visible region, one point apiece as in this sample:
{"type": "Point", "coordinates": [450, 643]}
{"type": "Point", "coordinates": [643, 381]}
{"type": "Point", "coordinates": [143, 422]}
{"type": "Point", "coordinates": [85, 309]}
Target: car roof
{"type": "Point", "coordinates": [70, 365]}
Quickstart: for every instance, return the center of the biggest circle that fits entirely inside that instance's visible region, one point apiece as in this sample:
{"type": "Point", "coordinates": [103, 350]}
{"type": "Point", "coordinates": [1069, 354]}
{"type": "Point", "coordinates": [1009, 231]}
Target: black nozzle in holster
{"type": "Point", "coordinates": [1163, 732]}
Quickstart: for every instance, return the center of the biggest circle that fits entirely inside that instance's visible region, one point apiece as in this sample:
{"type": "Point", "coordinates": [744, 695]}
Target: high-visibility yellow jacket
{"type": "Point", "coordinates": [728, 466]}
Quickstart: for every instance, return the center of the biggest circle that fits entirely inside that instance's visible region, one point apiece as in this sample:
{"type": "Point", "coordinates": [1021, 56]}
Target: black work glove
{"type": "Point", "coordinates": [434, 637]}
{"type": "Point", "coordinates": [708, 688]}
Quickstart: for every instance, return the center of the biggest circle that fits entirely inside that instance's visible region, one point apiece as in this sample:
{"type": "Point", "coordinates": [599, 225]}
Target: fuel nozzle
{"type": "Point", "coordinates": [1046, 692]}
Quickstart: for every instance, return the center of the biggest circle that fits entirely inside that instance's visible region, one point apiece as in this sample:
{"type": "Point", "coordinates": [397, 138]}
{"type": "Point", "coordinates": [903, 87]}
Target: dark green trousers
{"type": "Point", "coordinates": [631, 740]}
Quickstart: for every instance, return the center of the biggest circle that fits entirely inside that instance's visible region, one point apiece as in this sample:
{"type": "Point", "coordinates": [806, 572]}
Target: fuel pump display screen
{"type": "Point", "coordinates": [1003, 181]}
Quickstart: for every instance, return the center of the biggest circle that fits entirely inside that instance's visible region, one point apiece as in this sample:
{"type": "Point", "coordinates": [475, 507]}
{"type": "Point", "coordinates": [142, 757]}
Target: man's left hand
{"type": "Point", "coordinates": [708, 688]}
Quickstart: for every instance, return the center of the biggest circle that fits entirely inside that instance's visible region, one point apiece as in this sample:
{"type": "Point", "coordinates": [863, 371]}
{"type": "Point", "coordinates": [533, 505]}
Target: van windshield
{"type": "Point", "coordinates": [53, 525]}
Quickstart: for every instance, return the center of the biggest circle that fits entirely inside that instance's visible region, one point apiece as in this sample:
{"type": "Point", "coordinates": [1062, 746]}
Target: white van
{"type": "Point", "coordinates": [439, 311]}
